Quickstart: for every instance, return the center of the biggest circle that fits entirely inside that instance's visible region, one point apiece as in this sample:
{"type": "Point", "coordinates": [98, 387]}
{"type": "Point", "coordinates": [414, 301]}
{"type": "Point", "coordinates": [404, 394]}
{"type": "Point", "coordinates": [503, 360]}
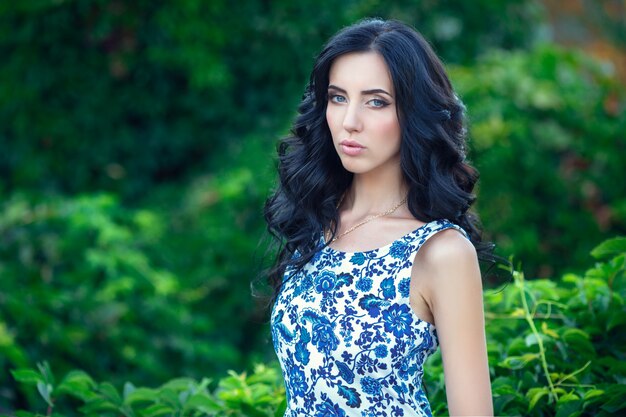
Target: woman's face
{"type": "Point", "coordinates": [361, 113]}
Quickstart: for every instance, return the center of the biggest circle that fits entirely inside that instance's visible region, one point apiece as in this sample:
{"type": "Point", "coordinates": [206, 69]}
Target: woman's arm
{"type": "Point", "coordinates": [448, 266]}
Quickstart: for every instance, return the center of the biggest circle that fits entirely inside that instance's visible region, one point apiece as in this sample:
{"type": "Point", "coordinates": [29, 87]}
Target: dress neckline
{"type": "Point", "coordinates": [388, 245]}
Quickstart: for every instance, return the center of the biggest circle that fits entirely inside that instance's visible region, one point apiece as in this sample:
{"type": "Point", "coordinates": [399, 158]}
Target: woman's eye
{"type": "Point", "coordinates": [378, 103]}
{"type": "Point", "coordinates": [337, 98]}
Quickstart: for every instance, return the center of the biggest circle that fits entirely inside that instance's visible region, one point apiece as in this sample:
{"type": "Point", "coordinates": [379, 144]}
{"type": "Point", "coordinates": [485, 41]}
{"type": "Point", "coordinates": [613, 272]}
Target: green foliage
{"type": "Point", "coordinates": [164, 115]}
{"type": "Point", "coordinates": [237, 395]}
{"type": "Point", "coordinates": [461, 31]}
{"type": "Point", "coordinates": [555, 349]}
{"type": "Point", "coordinates": [547, 135]}
{"type": "Point", "coordinates": [139, 92]}
{"type": "Point", "coordinates": [92, 285]}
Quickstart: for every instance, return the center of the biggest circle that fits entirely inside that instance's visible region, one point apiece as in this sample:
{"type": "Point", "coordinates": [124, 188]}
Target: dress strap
{"type": "Point", "coordinates": [421, 235]}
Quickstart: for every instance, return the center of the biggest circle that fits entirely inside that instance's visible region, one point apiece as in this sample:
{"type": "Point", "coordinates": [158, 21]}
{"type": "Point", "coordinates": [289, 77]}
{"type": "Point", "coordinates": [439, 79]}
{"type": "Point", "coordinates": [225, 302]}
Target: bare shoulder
{"type": "Point", "coordinates": [445, 264]}
{"type": "Point", "coordinates": [445, 248]}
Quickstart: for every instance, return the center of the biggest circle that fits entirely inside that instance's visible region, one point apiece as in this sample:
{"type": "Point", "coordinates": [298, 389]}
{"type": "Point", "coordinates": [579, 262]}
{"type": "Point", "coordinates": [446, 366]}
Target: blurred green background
{"type": "Point", "coordinates": [137, 147]}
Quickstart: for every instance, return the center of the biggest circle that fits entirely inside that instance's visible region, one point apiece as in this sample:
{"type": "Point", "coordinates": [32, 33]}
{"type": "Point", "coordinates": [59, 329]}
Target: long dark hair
{"type": "Point", "coordinates": [431, 116]}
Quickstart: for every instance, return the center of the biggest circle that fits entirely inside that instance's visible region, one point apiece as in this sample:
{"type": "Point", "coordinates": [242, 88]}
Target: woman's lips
{"type": "Point", "coordinates": [351, 148]}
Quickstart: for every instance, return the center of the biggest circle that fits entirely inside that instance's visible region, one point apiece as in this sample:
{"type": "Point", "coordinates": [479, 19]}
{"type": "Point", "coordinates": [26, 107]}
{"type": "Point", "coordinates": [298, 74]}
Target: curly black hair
{"type": "Point", "coordinates": [432, 151]}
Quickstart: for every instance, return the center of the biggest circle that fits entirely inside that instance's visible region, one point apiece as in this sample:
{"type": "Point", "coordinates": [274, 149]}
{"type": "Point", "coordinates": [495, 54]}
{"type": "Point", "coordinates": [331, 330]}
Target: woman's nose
{"type": "Point", "coordinates": [352, 118]}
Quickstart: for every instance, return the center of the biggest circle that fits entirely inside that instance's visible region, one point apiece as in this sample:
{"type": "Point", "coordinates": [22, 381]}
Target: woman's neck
{"type": "Point", "coordinates": [372, 194]}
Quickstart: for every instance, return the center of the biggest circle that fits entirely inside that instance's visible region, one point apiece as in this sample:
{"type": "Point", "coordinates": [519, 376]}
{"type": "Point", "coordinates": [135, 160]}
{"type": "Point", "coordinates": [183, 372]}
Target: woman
{"type": "Point", "coordinates": [378, 262]}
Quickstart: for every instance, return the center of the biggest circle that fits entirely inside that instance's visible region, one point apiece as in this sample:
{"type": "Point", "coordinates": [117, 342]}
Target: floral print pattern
{"type": "Point", "coordinates": [348, 342]}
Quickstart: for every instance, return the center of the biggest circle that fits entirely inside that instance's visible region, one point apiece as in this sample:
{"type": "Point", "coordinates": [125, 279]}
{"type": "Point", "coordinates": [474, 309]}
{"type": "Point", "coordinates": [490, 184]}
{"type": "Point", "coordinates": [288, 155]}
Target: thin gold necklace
{"type": "Point", "coordinates": [368, 219]}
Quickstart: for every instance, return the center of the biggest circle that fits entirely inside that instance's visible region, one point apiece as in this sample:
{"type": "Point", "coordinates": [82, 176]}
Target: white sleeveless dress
{"type": "Point", "coordinates": [347, 340]}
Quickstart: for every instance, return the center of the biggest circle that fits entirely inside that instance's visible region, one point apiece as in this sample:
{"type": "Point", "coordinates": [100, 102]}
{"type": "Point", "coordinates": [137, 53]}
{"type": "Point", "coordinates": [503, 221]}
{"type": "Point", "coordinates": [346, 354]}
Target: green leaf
{"type": "Point", "coordinates": [158, 410]}
{"type": "Point", "coordinates": [282, 407]}
{"type": "Point", "coordinates": [44, 368]}
{"type": "Point", "coordinates": [169, 396]}
{"type": "Point", "coordinates": [616, 393]}
{"type": "Point", "coordinates": [616, 318]}
{"type": "Point", "coordinates": [502, 402]}
{"type": "Point", "coordinates": [27, 376]}
{"type": "Point", "coordinates": [128, 389]}
{"type": "Point", "coordinates": [79, 377]}
{"type": "Point", "coordinates": [110, 393]}
{"type": "Point", "coordinates": [140, 395]}
{"type": "Point", "coordinates": [203, 402]}
{"type": "Point", "coordinates": [569, 405]}
{"type": "Point", "coordinates": [535, 394]}
{"type": "Point", "coordinates": [98, 405]}
{"type": "Point", "coordinates": [77, 384]}
{"type": "Point", "coordinates": [579, 342]}
{"type": "Point", "coordinates": [179, 384]}
{"type": "Point", "coordinates": [45, 390]}
{"type": "Point", "coordinates": [518, 362]}
{"type": "Point", "coordinates": [593, 396]}
{"type": "Point", "coordinates": [250, 410]}
{"type": "Point", "coordinates": [569, 409]}
{"type": "Point", "coordinates": [609, 248]}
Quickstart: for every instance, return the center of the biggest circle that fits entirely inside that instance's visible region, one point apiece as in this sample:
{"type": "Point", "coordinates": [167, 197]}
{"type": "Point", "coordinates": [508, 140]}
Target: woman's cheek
{"type": "Point", "coordinates": [333, 119]}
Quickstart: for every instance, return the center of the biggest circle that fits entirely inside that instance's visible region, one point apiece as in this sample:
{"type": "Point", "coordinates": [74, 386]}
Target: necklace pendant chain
{"type": "Point", "coordinates": [368, 219]}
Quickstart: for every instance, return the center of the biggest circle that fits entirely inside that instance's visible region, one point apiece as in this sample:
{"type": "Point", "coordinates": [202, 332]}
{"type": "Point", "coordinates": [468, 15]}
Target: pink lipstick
{"type": "Point", "coordinates": [351, 147]}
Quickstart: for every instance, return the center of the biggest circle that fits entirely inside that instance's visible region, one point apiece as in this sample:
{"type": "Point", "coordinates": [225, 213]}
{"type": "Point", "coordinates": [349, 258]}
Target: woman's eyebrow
{"type": "Point", "coordinates": [334, 87]}
{"type": "Point", "coordinates": [376, 91]}
{"type": "Point", "coordinates": [364, 92]}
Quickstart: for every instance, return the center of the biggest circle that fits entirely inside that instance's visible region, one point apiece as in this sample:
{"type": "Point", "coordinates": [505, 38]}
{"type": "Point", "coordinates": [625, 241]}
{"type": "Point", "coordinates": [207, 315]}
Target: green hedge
{"type": "Point", "coordinates": [138, 145]}
{"type": "Point", "coordinates": [556, 348]}
{"type": "Point", "coordinates": [137, 93]}
{"type": "Point", "coordinates": [90, 284]}
{"type": "Point", "coordinates": [79, 272]}
{"type": "Point", "coordinates": [547, 135]}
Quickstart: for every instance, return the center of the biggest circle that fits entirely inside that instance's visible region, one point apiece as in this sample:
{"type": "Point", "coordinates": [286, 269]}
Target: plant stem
{"type": "Point", "coordinates": [519, 282]}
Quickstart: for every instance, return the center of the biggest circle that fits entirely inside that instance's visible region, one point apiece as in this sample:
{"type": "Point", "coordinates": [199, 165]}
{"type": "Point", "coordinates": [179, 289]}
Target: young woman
{"type": "Point", "coordinates": [378, 259]}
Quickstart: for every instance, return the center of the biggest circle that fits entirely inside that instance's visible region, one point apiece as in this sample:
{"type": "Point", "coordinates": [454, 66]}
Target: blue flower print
{"type": "Point", "coordinates": [297, 381]}
{"type": "Point", "coordinates": [406, 369]}
{"type": "Point", "coordinates": [372, 304]}
{"type": "Point", "coordinates": [345, 372]}
{"type": "Point", "coordinates": [389, 289]}
{"type": "Point", "coordinates": [328, 409]}
{"type": "Point", "coordinates": [358, 259]}
{"type": "Point", "coordinates": [347, 339]}
{"type": "Point", "coordinates": [404, 287]}
{"type": "Point", "coordinates": [302, 353]}
{"type": "Point", "coordinates": [353, 399]}
{"type": "Point", "coordinates": [381, 351]}
{"type": "Point", "coordinates": [399, 249]}
{"type": "Point", "coordinates": [396, 411]}
{"type": "Point", "coordinates": [398, 319]}
{"type": "Point", "coordinates": [364, 284]}
{"type": "Point", "coordinates": [325, 282]}
{"type": "Point", "coordinates": [323, 337]}
{"type": "Point", "coordinates": [370, 385]}
{"type": "Point", "coordinates": [427, 341]}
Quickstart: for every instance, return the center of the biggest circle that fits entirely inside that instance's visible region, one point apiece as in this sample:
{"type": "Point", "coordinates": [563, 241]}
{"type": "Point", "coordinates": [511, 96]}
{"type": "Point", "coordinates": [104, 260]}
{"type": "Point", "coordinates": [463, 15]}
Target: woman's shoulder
{"type": "Point", "coordinates": [448, 246]}
{"type": "Point", "coordinates": [446, 263]}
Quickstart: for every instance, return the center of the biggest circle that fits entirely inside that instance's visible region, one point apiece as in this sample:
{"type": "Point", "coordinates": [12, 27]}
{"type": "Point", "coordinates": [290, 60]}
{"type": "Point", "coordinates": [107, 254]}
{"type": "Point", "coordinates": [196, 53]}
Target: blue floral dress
{"type": "Point", "coordinates": [348, 342]}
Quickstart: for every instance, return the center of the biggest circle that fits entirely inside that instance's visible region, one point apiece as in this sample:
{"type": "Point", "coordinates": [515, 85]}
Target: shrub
{"type": "Point", "coordinates": [80, 285]}
{"type": "Point", "coordinates": [136, 93]}
{"type": "Point", "coordinates": [237, 395]}
{"type": "Point", "coordinates": [555, 349]}
{"type": "Point", "coordinates": [547, 134]}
